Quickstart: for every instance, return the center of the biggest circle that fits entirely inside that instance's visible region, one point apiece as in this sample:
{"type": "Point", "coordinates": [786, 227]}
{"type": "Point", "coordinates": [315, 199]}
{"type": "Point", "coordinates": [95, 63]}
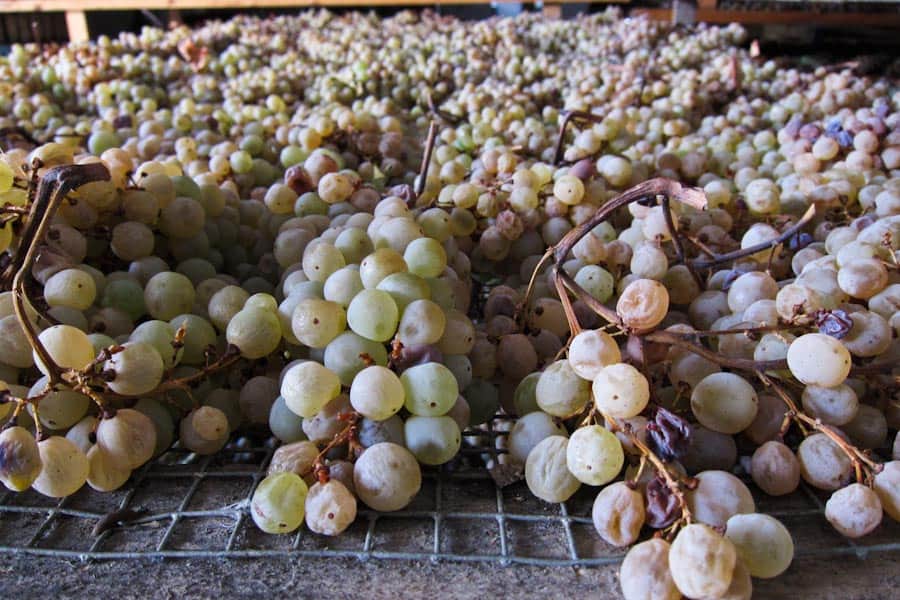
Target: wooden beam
{"type": "Point", "coordinates": [781, 17]}
{"type": "Point", "coordinates": [19, 6]}
{"type": "Point", "coordinates": [76, 24]}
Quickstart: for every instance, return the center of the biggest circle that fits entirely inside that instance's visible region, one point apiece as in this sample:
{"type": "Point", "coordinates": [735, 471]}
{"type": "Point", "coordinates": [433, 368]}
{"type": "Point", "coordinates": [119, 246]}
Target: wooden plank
{"type": "Point", "coordinates": [782, 17]}
{"type": "Point", "coordinates": [18, 6]}
{"type": "Point", "coordinates": [76, 24]}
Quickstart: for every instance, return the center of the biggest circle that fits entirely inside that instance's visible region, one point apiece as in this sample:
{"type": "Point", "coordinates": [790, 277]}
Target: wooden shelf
{"type": "Point", "coordinates": [780, 17]}
{"type": "Point", "coordinates": [7, 6]}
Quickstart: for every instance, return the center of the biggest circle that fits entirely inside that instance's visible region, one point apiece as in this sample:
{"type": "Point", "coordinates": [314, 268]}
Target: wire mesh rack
{"type": "Point", "coordinates": [185, 506]}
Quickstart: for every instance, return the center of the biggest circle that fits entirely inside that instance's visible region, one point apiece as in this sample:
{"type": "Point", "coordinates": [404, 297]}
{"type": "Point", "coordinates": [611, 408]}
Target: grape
{"type": "Point", "coordinates": [422, 322]}
{"type": "Point", "coordinates": [284, 423]}
{"type": "Point", "coordinates": [105, 473]}
{"type": "Point", "coordinates": [199, 335]}
{"type": "Point", "coordinates": [645, 573]}
{"type": "Point", "coordinates": [226, 303]}
{"type": "Point", "coordinates": [378, 265]}
{"type": "Point", "coordinates": [373, 314]}
{"type": "Point", "coordinates": [278, 503]}
{"type": "Point", "coordinates": [822, 463]}
{"type": "Point", "coordinates": [818, 359]}
{"type": "Point", "coordinates": [161, 418]}
{"type": "Point", "coordinates": [709, 450]}
{"type": "Point", "coordinates": [724, 402]}
{"type": "Point", "coordinates": [461, 367]}
{"type": "Point", "coordinates": [763, 544]}
{"type": "Point", "coordinates": [70, 348]}
{"type": "Point", "coordinates": [316, 322]}
{"type": "Point", "coordinates": [168, 295]}
{"type": "Point", "coordinates": [594, 455]}
{"type": "Point", "coordinates": [887, 486]}
{"type": "Point", "coordinates": [228, 402]}
{"type": "Point", "coordinates": [65, 468]}
{"type": "Point", "coordinates": [854, 510]}
{"type": "Point", "coordinates": [592, 350]}
{"type": "Point", "coordinates": [72, 288]}
{"type": "Point", "coordinates": [160, 335]}
{"type": "Point", "coordinates": [327, 423]}
{"type": "Point", "coordinates": [430, 389]}
{"type": "Point", "coordinates": [525, 398]}
{"type": "Point", "coordinates": [718, 496]}
{"type": "Point", "coordinates": [375, 432]}
{"type": "Point", "coordinates": [835, 405]}
{"type": "Point", "coordinates": [204, 430]}
{"type": "Point", "coordinates": [136, 369]}
{"type": "Point", "coordinates": [344, 354]}
{"type": "Point", "coordinates": [432, 440]}
{"type": "Point", "coordinates": [307, 387]}
{"type": "Point", "coordinates": [483, 399]}
{"type": "Point", "coordinates": [769, 417]}
{"type": "Point", "coordinates": [20, 459]}
{"type": "Point", "coordinates": [618, 514]}
{"type": "Point", "coordinates": [702, 562]}
{"type": "Point", "coordinates": [405, 288]}
{"type": "Point", "coordinates": [128, 438]}
{"type": "Point", "coordinates": [620, 391]}
{"type": "Point", "coordinates": [255, 331]}
{"type": "Point", "coordinates": [386, 477]}
{"type": "Point", "coordinates": [16, 350]}
{"type": "Point", "coordinates": [297, 457]}
{"type": "Point", "coordinates": [425, 257]}
{"type": "Point", "coordinates": [775, 469]}
{"type": "Point", "coordinates": [560, 392]}
{"type": "Point", "coordinates": [461, 413]}
{"type": "Point", "coordinates": [330, 508]}
{"type": "Point", "coordinates": [342, 285]}
{"type": "Point", "coordinates": [82, 433]}
{"type": "Point", "coordinates": [59, 409]}
{"type": "Point", "coordinates": [459, 334]}
{"type": "Point", "coordinates": [546, 472]}
{"type": "Point", "coordinates": [643, 304]}
{"type": "Point", "coordinates": [868, 429]}
{"type": "Point", "coordinates": [377, 393]}
{"type": "Point", "coordinates": [528, 431]}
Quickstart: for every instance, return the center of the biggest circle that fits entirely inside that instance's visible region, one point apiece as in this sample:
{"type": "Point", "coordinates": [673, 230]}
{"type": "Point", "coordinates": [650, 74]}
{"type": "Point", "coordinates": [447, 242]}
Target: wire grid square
{"type": "Point", "coordinates": [197, 507]}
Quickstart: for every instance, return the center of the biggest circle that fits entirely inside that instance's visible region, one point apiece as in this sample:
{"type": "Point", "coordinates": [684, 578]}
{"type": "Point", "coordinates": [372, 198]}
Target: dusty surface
{"type": "Point", "coordinates": [877, 578]}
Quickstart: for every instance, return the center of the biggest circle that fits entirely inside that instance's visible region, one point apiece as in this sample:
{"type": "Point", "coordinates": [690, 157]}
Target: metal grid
{"type": "Point", "coordinates": [198, 508]}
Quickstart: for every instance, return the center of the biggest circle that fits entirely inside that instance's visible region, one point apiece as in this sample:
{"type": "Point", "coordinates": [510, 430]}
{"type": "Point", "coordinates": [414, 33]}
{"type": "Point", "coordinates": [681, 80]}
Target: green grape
{"type": "Point", "coordinates": [70, 348]}
{"type": "Point", "coordinates": [20, 458]}
{"type": "Point", "coordinates": [308, 386]}
{"type": "Point", "coordinates": [284, 423]}
{"type": "Point", "coordinates": [162, 421]}
{"type": "Point", "coordinates": [432, 440]}
{"type": "Point", "coordinates": [129, 438]}
{"type": "Point", "coordinates": [430, 389]}
{"type": "Point", "coordinates": [528, 431]}
{"type": "Point", "coordinates": [7, 176]}
{"type": "Point", "coordinates": [483, 399]}
{"type": "Point", "coordinates": [377, 393]}
{"type": "Point", "coordinates": [204, 430]}
{"type": "Point", "coordinates": [65, 468]}
{"type": "Point", "coordinates": [321, 260]}
{"type": "Point", "coordinates": [59, 409]}
{"type": "Point", "coordinates": [461, 367]}
{"type": "Point", "coordinates": [525, 398]}
{"type": "Point", "coordinates": [344, 355]}
{"type": "Point", "coordinates": [596, 281]}
{"type": "Point", "coordinates": [405, 288]}
{"type": "Point", "coordinates": [226, 303]}
{"type": "Point", "coordinates": [73, 288]}
{"type": "Point", "coordinates": [594, 455]}
{"type": "Point", "coordinates": [342, 285]}
{"type": "Point", "coordinates": [168, 295]}
{"type": "Point", "coordinates": [227, 401]}
{"type": "Point", "coordinates": [425, 257]}
{"type": "Point", "coordinates": [724, 402]}
{"type": "Point", "coordinates": [255, 331]}
{"type": "Point", "coordinates": [546, 473]}
{"type": "Point", "coordinates": [15, 350]}
{"type": "Point", "coordinates": [373, 314]}
{"type": "Point", "coordinates": [620, 391]}
{"type": "Point", "coordinates": [560, 391]}
{"type": "Point", "coordinates": [316, 323]}
{"type": "Point", "coordinates": [199, 335]}
{"type": "Point", "coordinates": [380, 264]}
{"type": "Point", "coordinates": [105, 474]}
{"type": "Point", "coordinates": [277, 505]}
{"type": "Point", "coordinates": [763, 544]}
{"type": "Point", "coordinates": [134, 370]}
{"type": "Point", "coordinates": [354, 244]}
{"type": "Point", "coordinates": [160, 335]}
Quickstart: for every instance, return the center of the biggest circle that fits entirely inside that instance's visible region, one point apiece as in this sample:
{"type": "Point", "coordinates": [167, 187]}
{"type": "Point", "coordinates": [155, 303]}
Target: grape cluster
{"type": "Point", "coordinates": [676, 264]}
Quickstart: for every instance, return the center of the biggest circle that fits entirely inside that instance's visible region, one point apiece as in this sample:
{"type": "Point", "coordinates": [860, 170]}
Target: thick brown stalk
{"type": "Point", "coordinates": [567, 117]}
{"type": "Point", "coordinates": [426, 159]}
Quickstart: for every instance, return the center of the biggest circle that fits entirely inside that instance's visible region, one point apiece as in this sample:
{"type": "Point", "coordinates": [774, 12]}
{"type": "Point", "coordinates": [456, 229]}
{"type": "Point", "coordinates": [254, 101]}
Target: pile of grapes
{"type": "Point", "coordinates": [674, 262]}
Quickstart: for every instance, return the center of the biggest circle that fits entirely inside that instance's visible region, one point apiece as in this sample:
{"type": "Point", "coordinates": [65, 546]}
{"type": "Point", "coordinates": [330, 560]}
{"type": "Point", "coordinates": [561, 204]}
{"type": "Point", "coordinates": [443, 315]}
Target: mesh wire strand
{"type": "Point", "coordinates": [199, 508]}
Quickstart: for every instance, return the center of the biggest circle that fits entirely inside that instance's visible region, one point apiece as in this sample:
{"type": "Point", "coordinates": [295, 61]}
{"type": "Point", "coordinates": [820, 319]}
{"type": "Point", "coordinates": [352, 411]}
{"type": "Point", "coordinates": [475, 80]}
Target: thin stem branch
{"type": "Point", "coordinates": [426, 159]}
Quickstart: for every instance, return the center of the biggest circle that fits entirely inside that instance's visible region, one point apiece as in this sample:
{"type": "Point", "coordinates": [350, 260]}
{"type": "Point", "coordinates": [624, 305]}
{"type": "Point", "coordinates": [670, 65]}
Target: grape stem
{"type": "Point", "coordinates": [671, 480]}
{"type": "Point", "coordinates": [864, 467]}
{"type": "Point", "coordinates": [426, 159]}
